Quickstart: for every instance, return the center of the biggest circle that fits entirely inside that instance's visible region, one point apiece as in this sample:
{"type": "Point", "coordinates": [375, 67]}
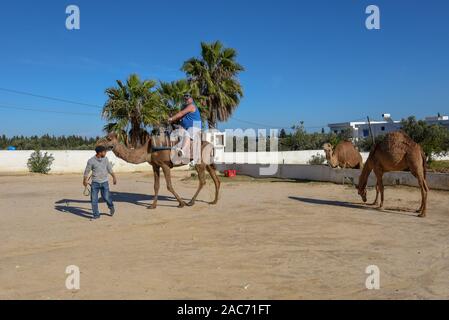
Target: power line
{"type": "Point", "coordinates": [255, 123]}
{"type": "Point", "coordinates": [21, 108]}
{"type": "Point", "coordinates": [99, 107]}
{"type": "Point", "coordinates": [49, 98]}
{"type": "Point", "coordinates": [272, 126]}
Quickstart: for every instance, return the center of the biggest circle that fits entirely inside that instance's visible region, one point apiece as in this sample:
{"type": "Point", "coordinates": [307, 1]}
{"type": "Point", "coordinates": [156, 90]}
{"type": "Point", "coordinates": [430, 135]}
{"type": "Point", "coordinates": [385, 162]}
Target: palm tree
{"type": "Point", "coordinates": [131, 107]}
{"type": "Point", "coordinates": [172, 96]}
{"type": "Point", "coordinates": [172, 93]}
{"type": "Point", "coordinates": [214, 77]}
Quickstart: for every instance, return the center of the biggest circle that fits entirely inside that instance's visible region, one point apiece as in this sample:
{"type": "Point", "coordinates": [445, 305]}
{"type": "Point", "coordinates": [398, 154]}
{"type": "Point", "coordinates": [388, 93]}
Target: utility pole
{"type": "Point", "coordinates": [371, 131]}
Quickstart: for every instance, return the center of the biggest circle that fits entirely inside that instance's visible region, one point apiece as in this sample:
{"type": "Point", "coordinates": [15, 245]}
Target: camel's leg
{"type": "Point", "coordinates": [380, 185]}
{"type": "Point", "coordinates": [417, 169]}
{"type": "Point", "coordinates": [201, 169]}
{"type": "Point", "coordinates": [422, 185]}
{"type": "Point", "coordinates": [157, 180]}
{"type": "Point", "coordinates": [376, 201]}
{"type": "Point", "coordinates": [213, 174]}
{"type": "Point", "coordinates": [424, 190]}
{"type": "Point", "coordinates": [166, 170]}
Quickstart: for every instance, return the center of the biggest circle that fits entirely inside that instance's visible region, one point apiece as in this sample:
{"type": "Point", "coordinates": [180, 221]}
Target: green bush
{"type": "Point", "coordinates": [434, 139]}
{"type": "Point", "coordinates": [300, 139]}
{"type": "Point", "coordinates": [317, 159]}
{"type": "Point", "coordinates": [40, 162]}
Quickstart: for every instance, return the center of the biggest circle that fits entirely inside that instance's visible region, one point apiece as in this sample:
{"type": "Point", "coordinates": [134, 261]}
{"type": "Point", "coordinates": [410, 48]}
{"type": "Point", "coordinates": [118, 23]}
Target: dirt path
{"type": "Point", "coordinates": [263, 240]}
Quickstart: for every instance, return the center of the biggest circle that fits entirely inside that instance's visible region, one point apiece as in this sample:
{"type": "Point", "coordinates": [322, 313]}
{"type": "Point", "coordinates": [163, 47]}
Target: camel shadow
{"type": "Point", "coordinates": [332, 203]}
{"type": "Point", "coordinates": [65, 205]}
{"type": "Point", "coordinates": [399, 211]}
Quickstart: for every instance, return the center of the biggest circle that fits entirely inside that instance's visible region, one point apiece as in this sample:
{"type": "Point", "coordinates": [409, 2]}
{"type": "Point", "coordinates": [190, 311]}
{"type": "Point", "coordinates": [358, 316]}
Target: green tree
{"type": "Point", "coordinates": [434, 139]}
{"type": "Point", "coordinates": [133, 106]}
{"type": "Point", "coordinates": [366, 144]}
{"type": "Point", "coordinates": [282, 134]}
{"type": "Point", "coordinates": [47, 142]}
{"type": "Point", "coordinates": [214, 77]}
{"type": "Point", "coordinates": [300, 139]}
{"type": "Point", "coordinates": [172, 95]}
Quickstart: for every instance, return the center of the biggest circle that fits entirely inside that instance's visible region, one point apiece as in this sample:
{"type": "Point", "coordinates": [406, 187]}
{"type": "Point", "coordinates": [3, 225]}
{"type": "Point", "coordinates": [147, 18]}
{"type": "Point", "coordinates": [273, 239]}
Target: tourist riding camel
{"type": "Point", "coordinates": [397, 152]}
{"type": "Point", "coordinates": [189, 119]}
{"type": "Point", "coordinates": [160, 158]}
{"type": "Point", "coordinates": [345, 155]}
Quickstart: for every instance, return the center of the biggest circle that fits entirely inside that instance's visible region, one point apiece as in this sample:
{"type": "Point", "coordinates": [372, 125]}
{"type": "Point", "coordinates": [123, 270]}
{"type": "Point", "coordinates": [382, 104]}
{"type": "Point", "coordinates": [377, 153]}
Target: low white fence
{"type": "Point", "coordinates": [281, 157]}
{"type": "Point", "coordinates": [325, 173]}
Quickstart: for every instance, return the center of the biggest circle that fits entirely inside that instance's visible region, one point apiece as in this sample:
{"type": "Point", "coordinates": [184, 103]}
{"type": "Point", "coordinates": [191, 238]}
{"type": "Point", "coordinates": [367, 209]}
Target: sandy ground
{"type": "Point", "coordinates": [264, 240]}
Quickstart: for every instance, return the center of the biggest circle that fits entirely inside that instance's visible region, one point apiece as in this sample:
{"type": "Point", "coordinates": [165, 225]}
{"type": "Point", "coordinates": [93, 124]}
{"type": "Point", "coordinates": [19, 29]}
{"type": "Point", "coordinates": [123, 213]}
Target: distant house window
{"type": "Point", "coordinates": [383, 128]}
{"type": "Point", "coordinates": [365, 132]}
{"type": "Point", "coordinates": [335, 131]}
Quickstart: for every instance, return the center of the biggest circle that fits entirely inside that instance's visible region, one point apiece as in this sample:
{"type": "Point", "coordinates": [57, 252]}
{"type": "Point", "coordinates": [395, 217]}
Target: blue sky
{"type": "Point", "coordinates": [311, 61]}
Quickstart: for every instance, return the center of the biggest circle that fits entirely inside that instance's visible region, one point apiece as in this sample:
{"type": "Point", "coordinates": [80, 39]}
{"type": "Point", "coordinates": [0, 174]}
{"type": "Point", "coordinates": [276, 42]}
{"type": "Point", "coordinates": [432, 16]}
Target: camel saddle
{"type": "Point", "coordinates": [160, 140]}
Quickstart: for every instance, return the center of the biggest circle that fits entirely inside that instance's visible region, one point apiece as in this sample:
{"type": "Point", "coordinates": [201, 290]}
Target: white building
{"type": "Point", "coordinates": [360, 129]}
{"type": "Point", "coordinates": [442, 120]}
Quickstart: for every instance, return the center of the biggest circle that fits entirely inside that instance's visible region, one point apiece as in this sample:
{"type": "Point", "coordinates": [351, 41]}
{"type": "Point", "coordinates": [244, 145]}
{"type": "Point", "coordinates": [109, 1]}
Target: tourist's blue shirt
{"type": "Point", "coordinates": [191, 118]}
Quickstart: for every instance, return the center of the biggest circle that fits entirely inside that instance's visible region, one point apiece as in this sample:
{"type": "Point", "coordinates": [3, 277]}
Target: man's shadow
{"type": "Point", "coordinates": [66, 205]}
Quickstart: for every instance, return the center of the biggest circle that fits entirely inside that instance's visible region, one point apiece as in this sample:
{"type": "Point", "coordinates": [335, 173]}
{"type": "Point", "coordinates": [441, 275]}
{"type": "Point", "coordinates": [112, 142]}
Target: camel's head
{"type": "Point", "coordinates": [327, 147]}
{"type": "Point", "coordinates": [362, 193]}
{"type": "Point", "coordinates": [110, 141]}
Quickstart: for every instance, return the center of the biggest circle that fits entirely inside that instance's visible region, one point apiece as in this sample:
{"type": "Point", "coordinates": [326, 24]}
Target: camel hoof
{"type": "Point", "coordinates": [152, 207]}
{"type": "Point", "coordinates": [181, 205]}
{"type": "Point", "coordinates": [190, 204]}
{"type": "Point", "coordinates": [422, 215]}
{"type": "Point", "coordinates": [213, 203]}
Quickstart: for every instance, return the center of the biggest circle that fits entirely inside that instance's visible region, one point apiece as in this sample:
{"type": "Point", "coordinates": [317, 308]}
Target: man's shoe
{"type": "Point", "coordinates": [96, 217]}
{"type": "Point", "coordinates": [112, 211]}
{"type": "Point", "coordinates": [192, 163]}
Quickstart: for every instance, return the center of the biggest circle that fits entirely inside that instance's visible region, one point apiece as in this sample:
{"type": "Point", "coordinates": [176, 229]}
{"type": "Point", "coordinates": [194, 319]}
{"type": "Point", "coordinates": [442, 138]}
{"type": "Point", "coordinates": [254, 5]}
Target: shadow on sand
{"type": "Point", "coordinates": [400, 211]}
{"type": "Point", "coordinates": [65, 205]}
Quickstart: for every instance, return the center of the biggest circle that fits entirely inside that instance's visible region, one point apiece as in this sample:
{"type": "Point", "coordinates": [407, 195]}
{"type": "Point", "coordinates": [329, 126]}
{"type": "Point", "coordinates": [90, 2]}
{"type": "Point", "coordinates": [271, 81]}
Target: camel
{"type": "Point", "coordinates": [397, 152]}
{"type": "Point", "coordinates": [161, 159]}
{"type": "Point", "coordinates": [345, 155]}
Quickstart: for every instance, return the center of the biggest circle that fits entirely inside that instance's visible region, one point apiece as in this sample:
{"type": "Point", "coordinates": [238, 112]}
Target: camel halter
{"type": "Point", "coordinates": [88, 188]}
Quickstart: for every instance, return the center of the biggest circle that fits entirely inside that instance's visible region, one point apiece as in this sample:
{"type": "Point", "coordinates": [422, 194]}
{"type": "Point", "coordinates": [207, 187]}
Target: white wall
{"type": "Point", "coordinates": [286, 157]}
{"type": "Point", "coordinates": [65, 162]}
{"type": "Point", "coordinates": [75, 161]}
{"type": "Point", "coordinates": [324, 173]}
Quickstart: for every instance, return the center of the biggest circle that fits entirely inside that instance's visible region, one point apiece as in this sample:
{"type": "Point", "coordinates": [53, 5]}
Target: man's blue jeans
{"type": "Point", "coordinates": [105, 194]}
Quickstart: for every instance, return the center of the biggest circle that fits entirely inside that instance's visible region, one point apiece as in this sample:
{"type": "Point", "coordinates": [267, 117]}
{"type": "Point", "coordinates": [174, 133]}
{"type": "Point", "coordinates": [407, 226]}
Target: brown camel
{"type": "Point", "coordinates": [397, 152]}
{"type": "Point", "coordinates": [345, 155]}
{"type": "Point", "coordinates": [161, 159]}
